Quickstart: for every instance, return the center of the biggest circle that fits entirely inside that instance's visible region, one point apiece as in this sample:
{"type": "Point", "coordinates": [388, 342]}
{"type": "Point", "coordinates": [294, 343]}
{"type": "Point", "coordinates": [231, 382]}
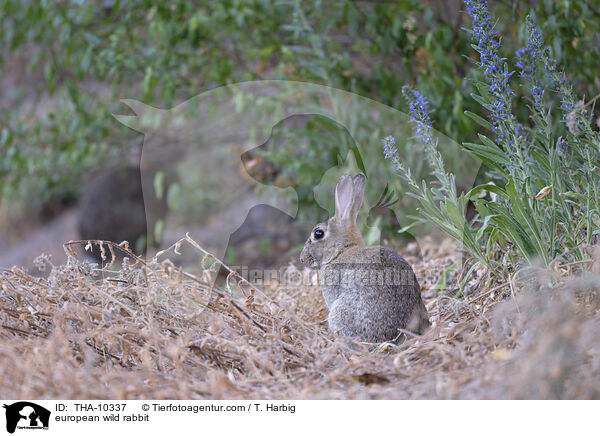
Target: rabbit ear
{"type": "Point", "coordinates": [343, 197]}
{"type": "Point", "coordinates": [357, 197]}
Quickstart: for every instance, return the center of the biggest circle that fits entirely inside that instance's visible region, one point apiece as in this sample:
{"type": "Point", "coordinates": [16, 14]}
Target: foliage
{"type": "Point", "coordinates": [83, 56]}
{"type": "Point", "coordinates": [544, 202]}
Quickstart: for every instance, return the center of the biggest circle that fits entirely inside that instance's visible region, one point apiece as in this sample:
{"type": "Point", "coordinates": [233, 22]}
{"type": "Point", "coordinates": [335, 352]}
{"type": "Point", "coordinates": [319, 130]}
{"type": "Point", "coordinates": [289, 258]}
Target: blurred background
{"type": "Point", "coordinates": [70, 170]}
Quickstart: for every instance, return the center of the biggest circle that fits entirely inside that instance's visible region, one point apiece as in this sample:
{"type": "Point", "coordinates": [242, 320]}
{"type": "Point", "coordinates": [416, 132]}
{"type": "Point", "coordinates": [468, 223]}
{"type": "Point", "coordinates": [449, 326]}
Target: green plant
{"type": "Point", "coordinates": [543, 200]}
{"type": "Point", "coordinates": [81, 57]}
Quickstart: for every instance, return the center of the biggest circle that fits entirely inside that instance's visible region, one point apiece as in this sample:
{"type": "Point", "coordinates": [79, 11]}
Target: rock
{"type": "Point", "coordinates": [113, 208]}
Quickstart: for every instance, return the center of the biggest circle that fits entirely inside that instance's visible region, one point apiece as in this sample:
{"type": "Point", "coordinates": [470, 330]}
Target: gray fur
{"type": "Point", "coordinates": [372, 293]}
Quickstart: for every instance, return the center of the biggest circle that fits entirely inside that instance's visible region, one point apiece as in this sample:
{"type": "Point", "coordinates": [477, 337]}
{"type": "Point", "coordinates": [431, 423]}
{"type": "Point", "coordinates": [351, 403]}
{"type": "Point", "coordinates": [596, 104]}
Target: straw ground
{"type": "Point", "coordinates": [146, 329]}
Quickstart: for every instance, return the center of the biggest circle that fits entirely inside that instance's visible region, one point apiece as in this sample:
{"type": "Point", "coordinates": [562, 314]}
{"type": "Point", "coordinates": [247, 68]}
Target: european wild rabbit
{"type": "Point", "coordinates": [371, 292]}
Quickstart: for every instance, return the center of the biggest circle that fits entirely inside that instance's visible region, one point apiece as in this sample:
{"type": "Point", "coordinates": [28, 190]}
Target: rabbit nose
{"type": "Point", "coordinates": [306, 258]}
{"type": "Point", "coordinates": [303, 258]}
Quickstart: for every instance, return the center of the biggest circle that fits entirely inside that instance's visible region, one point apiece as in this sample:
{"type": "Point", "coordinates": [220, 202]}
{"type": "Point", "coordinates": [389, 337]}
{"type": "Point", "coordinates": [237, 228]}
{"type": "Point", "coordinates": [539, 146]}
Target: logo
{"type": "Point", "coordinates": [26, 415]}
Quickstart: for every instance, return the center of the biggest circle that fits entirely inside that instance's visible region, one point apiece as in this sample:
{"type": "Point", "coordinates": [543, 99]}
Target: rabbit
{"type": "Point", "coordinates": [371, 292]}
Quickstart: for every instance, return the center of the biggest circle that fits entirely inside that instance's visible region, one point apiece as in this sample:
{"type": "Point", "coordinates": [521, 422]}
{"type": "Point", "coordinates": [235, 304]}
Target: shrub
{"type": "Point", "coordinates": [542, 198]}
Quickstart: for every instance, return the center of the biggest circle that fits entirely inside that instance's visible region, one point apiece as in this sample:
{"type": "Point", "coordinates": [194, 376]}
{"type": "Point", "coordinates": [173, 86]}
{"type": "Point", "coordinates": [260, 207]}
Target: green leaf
{"type": "Point", "coordinates": [484, 227]}
{"type": "Point", "coordinates": [490, 187]}
{"type": "Point", "coordinates": [479, 99]}
{"type": "Point", "coordinates": [492, 156]}
{"type": "Point", "coordinates": [479, 120]}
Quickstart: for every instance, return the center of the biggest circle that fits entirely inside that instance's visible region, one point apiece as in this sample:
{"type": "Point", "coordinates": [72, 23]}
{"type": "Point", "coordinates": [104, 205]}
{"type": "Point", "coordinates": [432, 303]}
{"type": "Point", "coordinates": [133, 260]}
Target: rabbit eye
{"type": "Point", "coordinates": [318, 234]}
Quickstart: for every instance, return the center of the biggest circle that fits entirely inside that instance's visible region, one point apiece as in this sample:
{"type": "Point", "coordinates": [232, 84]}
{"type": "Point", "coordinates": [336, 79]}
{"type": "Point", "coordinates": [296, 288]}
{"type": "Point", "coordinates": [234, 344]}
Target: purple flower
{"type": "Point", "coordinates": [490, 62]}
{"type": "Point", "coordinates": [419, 113]}
{"type": "Point", "coordinates": [533, 52]}
{"type": "Point", "coordinates": [562, 145]}
{"type": "Point", "coordinates": [537, 64]}
{"type": "Point", "coordinates": [390, 151]}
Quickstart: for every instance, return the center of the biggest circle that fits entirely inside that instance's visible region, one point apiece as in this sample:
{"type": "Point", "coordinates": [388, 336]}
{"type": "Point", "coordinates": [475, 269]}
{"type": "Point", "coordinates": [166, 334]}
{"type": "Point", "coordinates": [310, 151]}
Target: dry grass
{"type": "Point", "coordinates": [148, 330]}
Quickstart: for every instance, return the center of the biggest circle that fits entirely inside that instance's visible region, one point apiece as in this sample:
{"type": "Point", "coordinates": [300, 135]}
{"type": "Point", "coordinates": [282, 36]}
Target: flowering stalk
{"type": "Point", "coordinates": [390, 151]}
{"type": "Point", "coordinates": [490, 62]}
{"type": "Point", "coordinates": [497, 76]}
{"type": "Point", "coordinates": [420, 116]}
{"type": "Point", "coordinates": [558, 223]}
{"type": "Point", "coordinates": [535, 56]}
{"type": "Point", "coordinates": [442, 206]}
{"type": "Point", "coordinates": [535, 61]}
{"type": "Point", "coordinates": [528, 58]}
